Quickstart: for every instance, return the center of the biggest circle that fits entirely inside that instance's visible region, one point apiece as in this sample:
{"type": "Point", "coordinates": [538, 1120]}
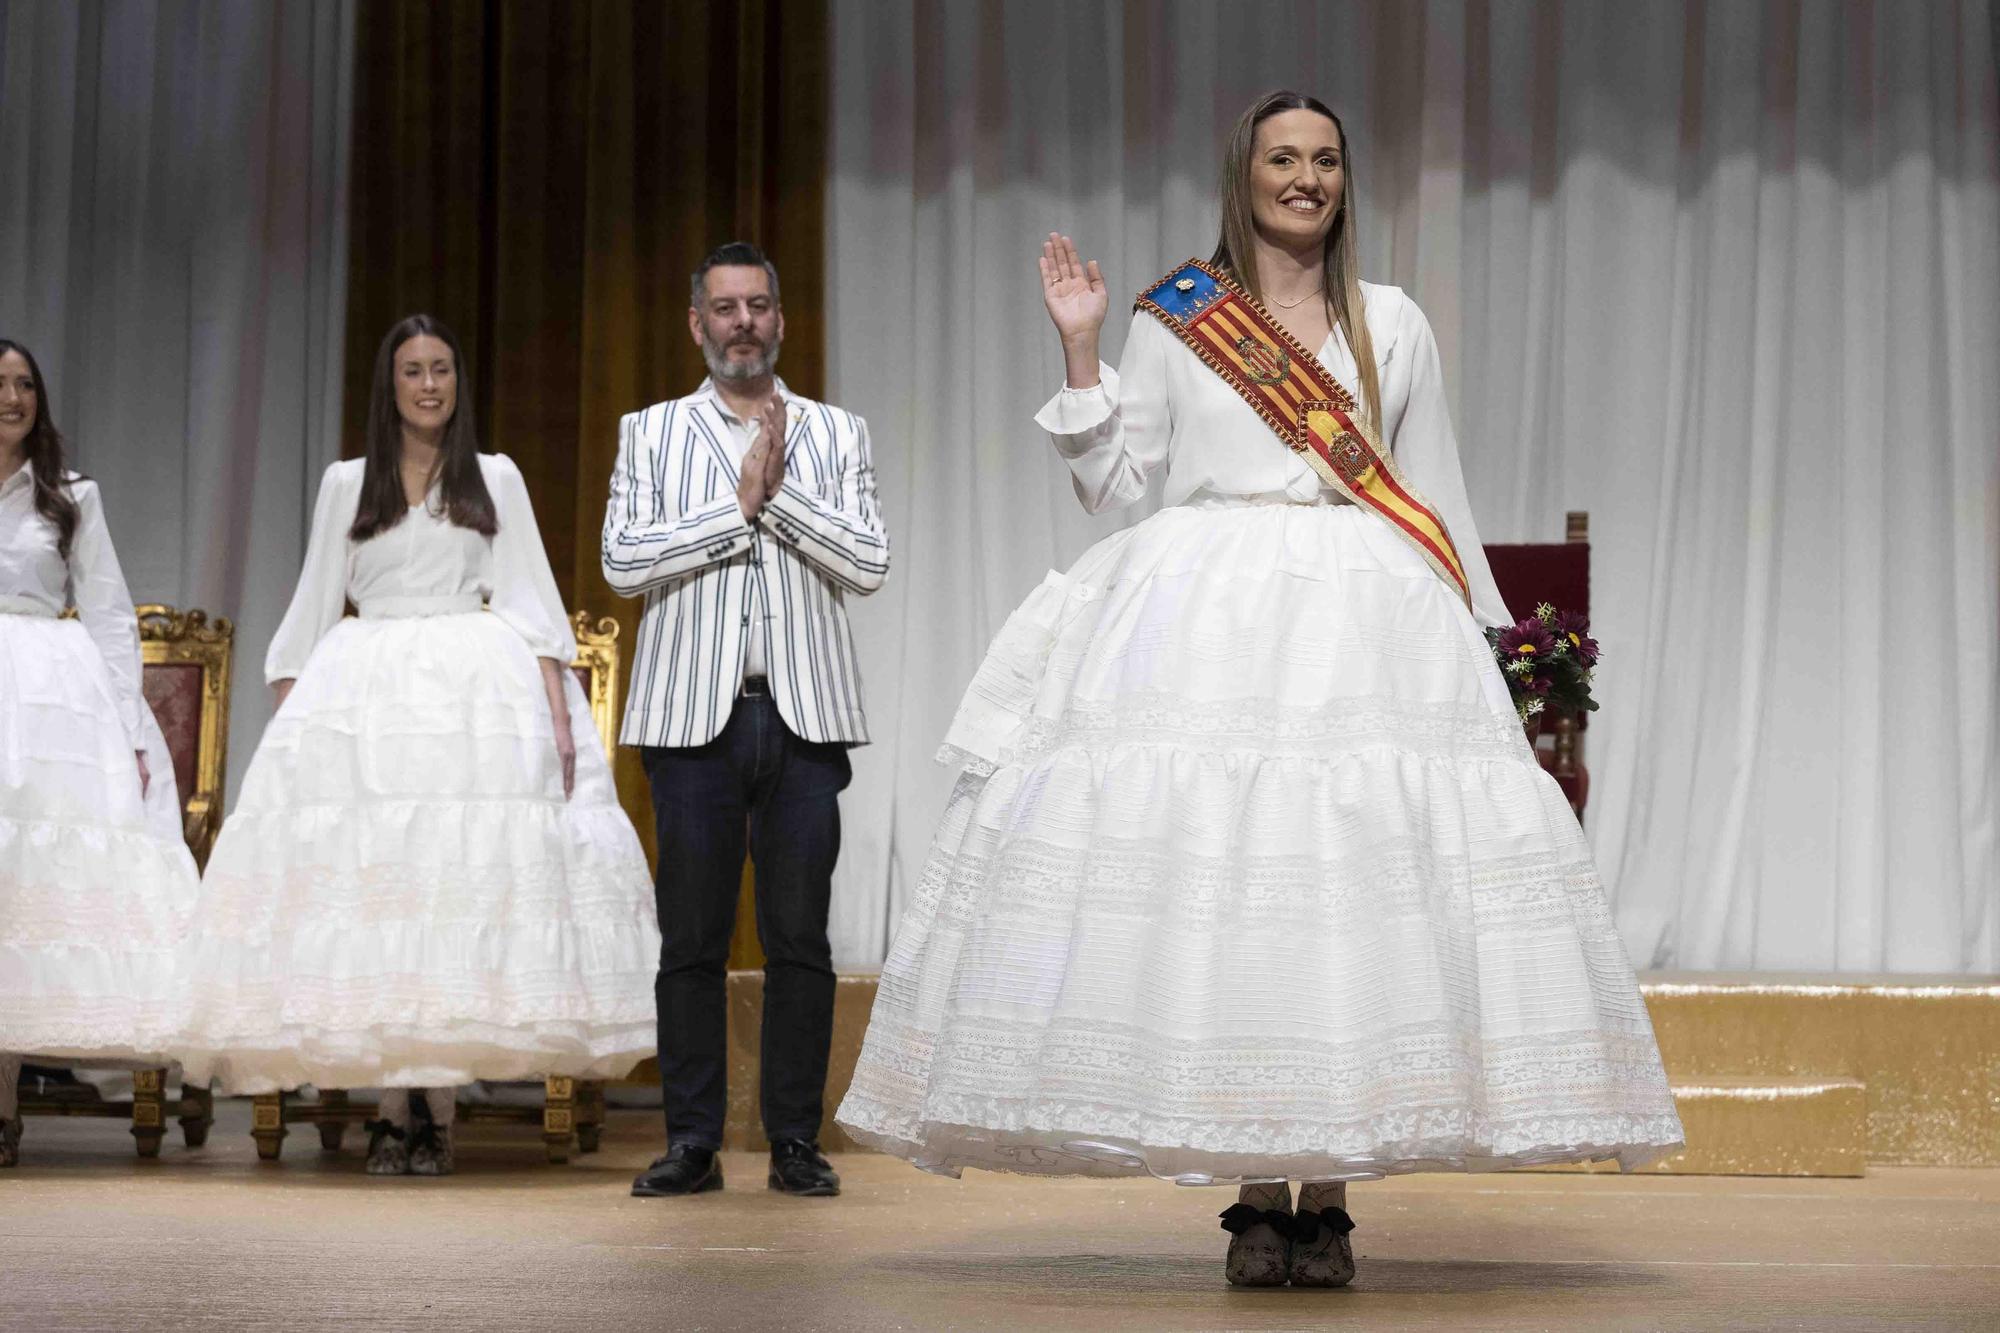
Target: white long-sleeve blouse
{"type": "Point", "coordinates": [1163, 406]}
{"type": "Point", "coordinates": [425, 556]}
{"type": "Point", "coordinates": [32, 571]}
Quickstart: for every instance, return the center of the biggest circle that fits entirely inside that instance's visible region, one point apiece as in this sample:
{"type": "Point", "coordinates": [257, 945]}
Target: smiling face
{"type": "Point", "coordinates": [426, 383]}
{"type": "Point", "coordinates": [1297, 178]}
{"type": "Point", "coordinates": [19, 405]}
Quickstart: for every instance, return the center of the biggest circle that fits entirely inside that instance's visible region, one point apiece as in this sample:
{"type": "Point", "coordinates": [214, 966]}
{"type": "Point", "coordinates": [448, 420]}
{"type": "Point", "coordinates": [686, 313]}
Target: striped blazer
{"type": "Point", "coordinates": [673, 531]}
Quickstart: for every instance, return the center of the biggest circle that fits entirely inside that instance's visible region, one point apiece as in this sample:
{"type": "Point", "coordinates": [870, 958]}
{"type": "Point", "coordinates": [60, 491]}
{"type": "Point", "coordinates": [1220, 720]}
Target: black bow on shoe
{"type": "Point", "coordinates": [1305, 1226]}
{"type": "Point", "coordinates": [1238, 1218]}
{"type": "Point", "coordinates": [384, 1127]}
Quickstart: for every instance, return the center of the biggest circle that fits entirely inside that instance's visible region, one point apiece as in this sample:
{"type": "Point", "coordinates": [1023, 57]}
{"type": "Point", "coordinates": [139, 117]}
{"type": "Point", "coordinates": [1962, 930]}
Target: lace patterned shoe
{"type": "Point", "coordinates": [10, 1142]}
{"type": "Point", "coordinates": [1322, 1255]}
{"type": "Point", "coordinates": [388, 1149]}
{"type": "Point", "coordinates": [430, 1151]}
{"type": "Point", "coordinates": [1259, 1245]}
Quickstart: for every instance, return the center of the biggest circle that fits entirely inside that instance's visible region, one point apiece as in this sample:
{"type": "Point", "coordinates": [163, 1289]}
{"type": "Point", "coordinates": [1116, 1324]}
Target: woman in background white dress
{"type": "Point", "coordinates": [427, 879]}
{"type": "Point", "coordinates": [95, 882]}
{"type": "Point", "coordinates": [1251, 874]}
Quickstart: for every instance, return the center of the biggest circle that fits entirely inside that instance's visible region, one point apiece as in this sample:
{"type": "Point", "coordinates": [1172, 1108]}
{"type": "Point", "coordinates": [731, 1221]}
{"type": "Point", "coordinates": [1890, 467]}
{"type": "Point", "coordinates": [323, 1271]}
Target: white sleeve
{"type": "Point", "coordinates": [524, 588]}
{"type": "Point", "coordinates": [1426, 451]}
{"type": "Point", "coordinates": [1114, 434]}
{"type": "Point", "coordinates": [321, 594]}
{"type": "Point", "coordinates": [104, 605]}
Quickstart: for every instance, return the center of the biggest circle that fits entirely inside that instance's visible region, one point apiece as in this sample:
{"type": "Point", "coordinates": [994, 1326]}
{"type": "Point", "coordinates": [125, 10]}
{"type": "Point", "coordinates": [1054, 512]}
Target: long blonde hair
{"type": "Point", "coordinates": [1342, 262]}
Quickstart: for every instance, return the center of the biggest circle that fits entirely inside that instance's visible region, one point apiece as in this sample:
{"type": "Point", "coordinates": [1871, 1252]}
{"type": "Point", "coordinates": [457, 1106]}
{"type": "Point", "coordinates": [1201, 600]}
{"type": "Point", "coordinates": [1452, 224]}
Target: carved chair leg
{"type": "Point", "coordinates": [589, 1114]}
{"type": "Point", "coordinates": [267, 1124]}
{"type": "Point", "coordinates": [558, 1116]}
{"type": "Point", "coordinates": [149, 1110]}
{"type": "Point", "coordinates": [197, 1114]}
{"type": "Point", "coordinates": [335, 1111]}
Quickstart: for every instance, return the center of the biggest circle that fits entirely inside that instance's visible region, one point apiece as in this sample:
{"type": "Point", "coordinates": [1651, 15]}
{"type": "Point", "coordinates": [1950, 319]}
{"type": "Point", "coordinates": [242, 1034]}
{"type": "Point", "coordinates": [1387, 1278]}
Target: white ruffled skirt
{"type": "Point", "coordinates": [401, 897]}
{"type": "Point", "coordinates": [96, 885]}
{"type": "Point", "coordinates": [1252, 874]}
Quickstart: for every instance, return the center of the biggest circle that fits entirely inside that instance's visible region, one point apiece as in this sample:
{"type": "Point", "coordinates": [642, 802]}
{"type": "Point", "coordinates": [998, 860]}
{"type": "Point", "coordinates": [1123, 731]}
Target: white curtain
{"type": "Point", "coordinates": [1726, 275]}
{"type": "Point", "coordinates": [173, 248]}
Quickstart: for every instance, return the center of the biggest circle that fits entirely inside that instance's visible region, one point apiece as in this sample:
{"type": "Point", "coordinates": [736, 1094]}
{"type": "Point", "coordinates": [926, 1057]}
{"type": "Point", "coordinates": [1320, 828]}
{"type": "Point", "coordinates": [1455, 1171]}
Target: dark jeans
{"type": "Point", "coordinates": [755, 782]}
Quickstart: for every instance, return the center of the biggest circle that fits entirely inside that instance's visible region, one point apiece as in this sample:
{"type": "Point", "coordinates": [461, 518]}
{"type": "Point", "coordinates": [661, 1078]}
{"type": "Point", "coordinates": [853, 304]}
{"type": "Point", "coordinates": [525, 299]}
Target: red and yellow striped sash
{"type": "Point", "coordinates": [1315, 417]}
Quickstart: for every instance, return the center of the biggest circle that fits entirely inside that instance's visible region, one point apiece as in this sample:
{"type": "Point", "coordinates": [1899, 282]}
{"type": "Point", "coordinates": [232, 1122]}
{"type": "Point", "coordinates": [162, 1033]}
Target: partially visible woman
{"type": "Point", "coordinates": [427, 879]}
{"type": "Point", "coordinates": [95, 882]}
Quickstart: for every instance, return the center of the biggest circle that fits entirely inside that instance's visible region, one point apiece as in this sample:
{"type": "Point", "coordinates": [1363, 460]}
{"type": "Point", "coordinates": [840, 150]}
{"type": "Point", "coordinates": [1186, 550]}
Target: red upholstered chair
{"type": "Point", "coordinates": [1557, 573]}
{"type": "Point", "coordinates": [186, 663]}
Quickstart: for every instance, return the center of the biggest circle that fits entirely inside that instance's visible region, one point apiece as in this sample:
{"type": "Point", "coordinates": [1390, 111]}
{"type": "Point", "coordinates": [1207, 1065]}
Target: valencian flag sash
{"type": "Point", "coordinates": [1315, 417]}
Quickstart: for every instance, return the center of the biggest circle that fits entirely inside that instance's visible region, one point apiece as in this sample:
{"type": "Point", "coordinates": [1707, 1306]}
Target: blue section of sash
{"type": "Point", "coordinates": [1185, 293]}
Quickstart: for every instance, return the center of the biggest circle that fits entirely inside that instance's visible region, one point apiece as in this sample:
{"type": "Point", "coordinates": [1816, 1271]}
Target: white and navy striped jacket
{"type": "Point", "coordinates": [673, 530]}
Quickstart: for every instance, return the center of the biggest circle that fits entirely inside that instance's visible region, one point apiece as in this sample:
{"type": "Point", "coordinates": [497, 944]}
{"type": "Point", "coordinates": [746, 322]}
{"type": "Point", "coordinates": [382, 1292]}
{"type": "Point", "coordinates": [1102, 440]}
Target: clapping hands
{"type": "Point", "coordinates": [764, 464]}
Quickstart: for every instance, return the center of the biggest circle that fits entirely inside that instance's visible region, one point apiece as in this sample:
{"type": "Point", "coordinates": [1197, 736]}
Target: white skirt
{"type": "Point", "coordinates": [1252, 874]}
{"type": "Point", "coordinates": [96, 885]}
{"type": "Point", "coordinates": [402, 898]}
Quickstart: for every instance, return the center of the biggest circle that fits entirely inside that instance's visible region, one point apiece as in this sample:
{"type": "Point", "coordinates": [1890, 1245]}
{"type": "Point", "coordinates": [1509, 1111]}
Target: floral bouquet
{"type": "Point", "coordinates": [1547, 660]}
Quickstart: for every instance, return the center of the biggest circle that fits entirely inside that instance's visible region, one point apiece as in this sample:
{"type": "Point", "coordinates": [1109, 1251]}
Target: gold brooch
{"type": "Point", "coordinates": [1184, 285]}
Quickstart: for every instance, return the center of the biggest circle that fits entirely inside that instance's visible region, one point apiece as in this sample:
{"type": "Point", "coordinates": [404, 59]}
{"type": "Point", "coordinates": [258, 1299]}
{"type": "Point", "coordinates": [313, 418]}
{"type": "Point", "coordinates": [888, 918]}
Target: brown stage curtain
{"type": "Point", "coordinates": [543, 176]}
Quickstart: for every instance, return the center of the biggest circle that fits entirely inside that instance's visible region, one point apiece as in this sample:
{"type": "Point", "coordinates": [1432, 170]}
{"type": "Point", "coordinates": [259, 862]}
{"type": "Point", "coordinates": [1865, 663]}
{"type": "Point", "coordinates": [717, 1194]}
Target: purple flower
{"type": "Point", "coordinates": [1574, 629]}
{"type": "Point", "coordinates": [1526, 640]}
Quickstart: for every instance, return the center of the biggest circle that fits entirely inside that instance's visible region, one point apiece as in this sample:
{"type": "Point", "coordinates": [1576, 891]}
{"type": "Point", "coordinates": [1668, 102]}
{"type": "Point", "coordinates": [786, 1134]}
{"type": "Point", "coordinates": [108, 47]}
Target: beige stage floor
{"type": "Point", "coordinates": [92, 1238]}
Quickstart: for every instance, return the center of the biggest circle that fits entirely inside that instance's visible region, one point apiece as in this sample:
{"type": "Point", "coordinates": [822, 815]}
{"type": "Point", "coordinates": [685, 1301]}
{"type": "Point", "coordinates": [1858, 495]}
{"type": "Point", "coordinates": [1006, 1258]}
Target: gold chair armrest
{"type": "Point", "coordinates": [202, 822]}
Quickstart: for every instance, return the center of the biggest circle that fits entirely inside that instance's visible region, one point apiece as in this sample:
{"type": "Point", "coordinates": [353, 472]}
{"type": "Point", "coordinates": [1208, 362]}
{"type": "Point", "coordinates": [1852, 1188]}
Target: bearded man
{"type": "Point", "coordinates": [745, 515]}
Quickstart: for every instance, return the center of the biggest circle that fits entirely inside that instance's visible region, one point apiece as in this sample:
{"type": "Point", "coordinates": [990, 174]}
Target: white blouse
{"type": "Point", "coordinates": [1165, 406]}
{"type": "Point", "coordinates": [34, 575]}
{"type": "Point", "coordinates": [425, 557]}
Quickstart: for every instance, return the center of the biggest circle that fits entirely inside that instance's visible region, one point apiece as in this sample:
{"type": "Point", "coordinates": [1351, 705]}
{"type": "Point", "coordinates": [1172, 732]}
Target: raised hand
{"type": "Point", "coordinates": [1073, 291]}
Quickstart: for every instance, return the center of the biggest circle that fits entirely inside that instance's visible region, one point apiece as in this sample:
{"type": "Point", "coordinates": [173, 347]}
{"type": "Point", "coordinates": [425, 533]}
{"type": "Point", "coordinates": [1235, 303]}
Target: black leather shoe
{"type": "Point", "coordinates": [797, 1167]}
{"type": "Point", "coordinates": [685, 1169]}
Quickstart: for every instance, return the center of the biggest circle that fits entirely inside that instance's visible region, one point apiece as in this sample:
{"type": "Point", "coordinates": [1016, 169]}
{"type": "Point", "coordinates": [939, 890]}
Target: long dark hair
{"type": "Point", "coordinates": [383, 505]}
{"type": "Point", "coordinates": [44, 448]}
{"type": "Point", "coordinates": [1341, 261]}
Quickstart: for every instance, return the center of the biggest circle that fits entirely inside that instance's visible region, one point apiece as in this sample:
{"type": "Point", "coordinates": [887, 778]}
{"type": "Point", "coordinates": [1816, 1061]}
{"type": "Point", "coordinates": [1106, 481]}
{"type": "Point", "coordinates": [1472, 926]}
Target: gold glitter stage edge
{"type": "Point", "coordinates": [1775, 1073]}
{"type": "Point", "coordinates": [1925, 1050]}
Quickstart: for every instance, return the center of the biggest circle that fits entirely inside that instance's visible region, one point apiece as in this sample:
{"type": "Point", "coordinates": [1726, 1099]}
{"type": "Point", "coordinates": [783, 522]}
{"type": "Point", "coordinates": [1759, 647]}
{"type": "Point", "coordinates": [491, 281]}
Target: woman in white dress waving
{"type": "Point", "coordinates": [427, 879]}
{"type": "Point", "coordinates": [95, 882]}
{"type": "Point", "coordinates": [1251, 875]}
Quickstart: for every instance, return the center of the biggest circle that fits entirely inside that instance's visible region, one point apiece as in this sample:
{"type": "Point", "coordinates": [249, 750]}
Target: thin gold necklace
{"type": "Point", "coordinates": [1287, 305]}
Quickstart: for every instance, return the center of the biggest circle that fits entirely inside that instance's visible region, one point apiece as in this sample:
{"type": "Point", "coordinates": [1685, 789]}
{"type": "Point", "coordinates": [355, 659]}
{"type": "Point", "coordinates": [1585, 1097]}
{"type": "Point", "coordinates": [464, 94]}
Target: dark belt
{"type": "Point", "coordinates": [756, 687]}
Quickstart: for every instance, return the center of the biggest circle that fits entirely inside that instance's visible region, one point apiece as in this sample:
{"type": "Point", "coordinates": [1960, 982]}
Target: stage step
{"type": "Point", "coordinates": [1922, 1055]}
{"type": "Point", "coordinates": [1766, 1127]}
{"type": "Point", "coordinates": [1927, 1049]}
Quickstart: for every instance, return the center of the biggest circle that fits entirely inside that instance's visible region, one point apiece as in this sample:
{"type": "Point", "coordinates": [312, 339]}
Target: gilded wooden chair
{"type": "Point", "coordinates": [187, 661]}
{"type": "Point", "coordinates": [1557, 573]}
{"type": "Point", "coordinates": [572, 1110]}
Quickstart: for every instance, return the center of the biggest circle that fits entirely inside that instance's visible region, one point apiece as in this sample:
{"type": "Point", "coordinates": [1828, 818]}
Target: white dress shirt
{"type": "Point", "coordinates": [1163, 406]}
{"type": "Point", "coordinates": [425, 559]}
{"type": "Point", "coordinates": [34, 575]}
